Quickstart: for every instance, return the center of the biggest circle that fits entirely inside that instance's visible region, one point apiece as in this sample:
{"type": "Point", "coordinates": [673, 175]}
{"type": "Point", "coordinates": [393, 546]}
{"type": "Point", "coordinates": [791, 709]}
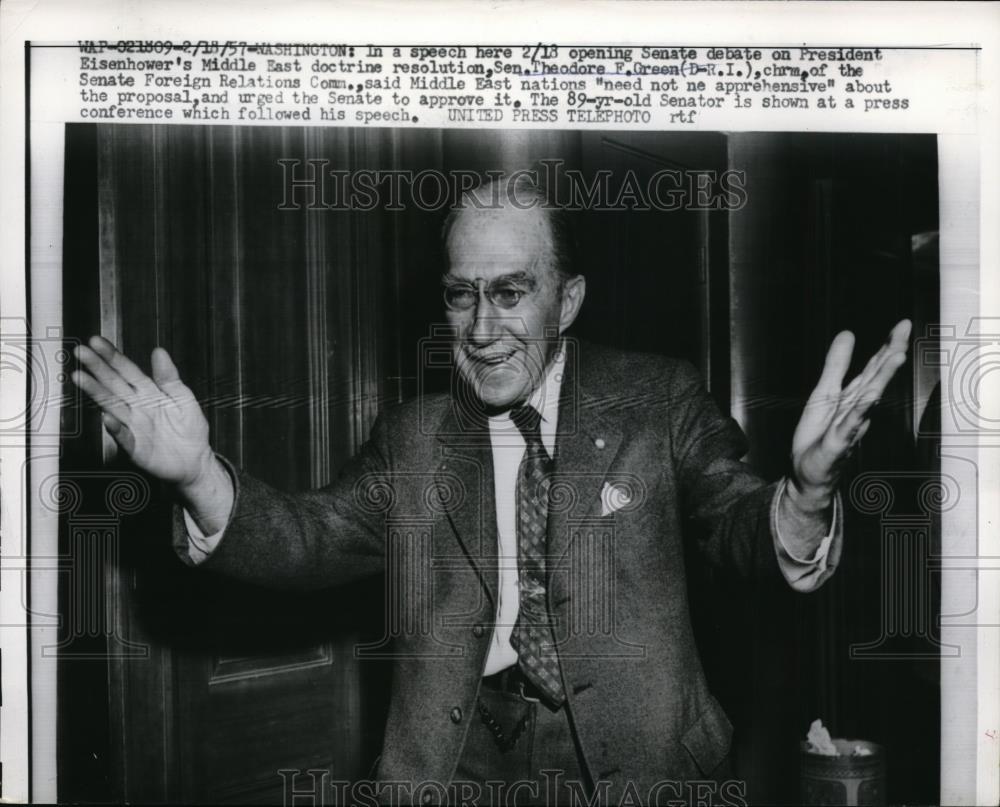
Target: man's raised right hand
{"type": "Point", "coordinates": [159, 425]}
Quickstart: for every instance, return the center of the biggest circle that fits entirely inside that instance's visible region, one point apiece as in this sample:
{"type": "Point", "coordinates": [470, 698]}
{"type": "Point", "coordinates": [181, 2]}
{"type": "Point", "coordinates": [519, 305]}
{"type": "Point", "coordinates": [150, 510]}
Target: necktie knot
{"type": "Point", "coordinates": [528, 421]}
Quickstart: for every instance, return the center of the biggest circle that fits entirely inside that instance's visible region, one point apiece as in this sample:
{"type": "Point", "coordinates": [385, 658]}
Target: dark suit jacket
{"type": "Point", "coordinates": [417, 506]}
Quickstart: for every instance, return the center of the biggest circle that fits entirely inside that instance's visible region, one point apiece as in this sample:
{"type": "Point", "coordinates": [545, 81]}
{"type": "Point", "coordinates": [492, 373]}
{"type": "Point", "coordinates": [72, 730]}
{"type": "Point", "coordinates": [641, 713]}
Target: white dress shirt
{"type": "Point", "coordinates": [508, 450]}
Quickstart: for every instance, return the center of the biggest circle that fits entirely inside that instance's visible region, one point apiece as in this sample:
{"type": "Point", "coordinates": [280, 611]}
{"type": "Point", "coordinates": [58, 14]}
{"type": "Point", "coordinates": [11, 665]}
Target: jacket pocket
{"type": "Point", "coordinates": [709, 738]}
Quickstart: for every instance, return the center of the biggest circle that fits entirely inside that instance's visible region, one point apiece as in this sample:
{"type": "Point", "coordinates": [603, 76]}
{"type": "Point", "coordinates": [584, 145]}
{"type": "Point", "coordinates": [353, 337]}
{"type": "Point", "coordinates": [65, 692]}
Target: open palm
{"type": "Point", "coordinates": [156, 421]}
{"type": "Point", "coordinates": [836, 417]}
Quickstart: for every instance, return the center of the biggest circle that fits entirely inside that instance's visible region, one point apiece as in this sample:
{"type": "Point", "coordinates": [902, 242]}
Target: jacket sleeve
{"type": "Point", "coordinates": [725, 504]}
{"type": "Point", "coordinates": [309, 540]}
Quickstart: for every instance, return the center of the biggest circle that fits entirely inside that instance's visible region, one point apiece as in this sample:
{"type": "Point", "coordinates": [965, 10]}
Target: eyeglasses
{"type": "Point", "coordinates": [501, 293]}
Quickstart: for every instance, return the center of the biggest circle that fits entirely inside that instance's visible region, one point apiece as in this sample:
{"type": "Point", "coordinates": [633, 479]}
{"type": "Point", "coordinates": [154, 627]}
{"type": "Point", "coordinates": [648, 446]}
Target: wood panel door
{"type": "Point", "coordinates": [276, 319]}
{"type": "Point", "coordinates": [242, 683]}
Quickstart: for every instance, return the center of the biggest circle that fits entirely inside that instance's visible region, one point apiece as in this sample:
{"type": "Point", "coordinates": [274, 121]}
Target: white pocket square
{"type": "Point", "coordinates": [614, 497]}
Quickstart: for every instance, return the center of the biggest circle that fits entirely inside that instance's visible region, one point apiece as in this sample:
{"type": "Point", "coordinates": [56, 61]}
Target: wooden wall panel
{"type": "Point", "coordinates": [273, 317]}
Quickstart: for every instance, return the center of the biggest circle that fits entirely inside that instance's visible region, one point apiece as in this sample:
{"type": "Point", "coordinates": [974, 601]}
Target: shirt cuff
{"type": "Point", "coordinates": [199, 545]}
{"type": "Point", "coordinates": [808, 574]}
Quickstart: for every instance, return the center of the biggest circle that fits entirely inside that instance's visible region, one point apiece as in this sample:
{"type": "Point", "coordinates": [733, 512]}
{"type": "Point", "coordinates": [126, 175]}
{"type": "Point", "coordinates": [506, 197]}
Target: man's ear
{"type": "Point", "coordinates": [573, 292]}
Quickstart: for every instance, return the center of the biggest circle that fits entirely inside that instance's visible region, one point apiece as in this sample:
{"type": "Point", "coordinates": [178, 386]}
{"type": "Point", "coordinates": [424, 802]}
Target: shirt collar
{"type": "Point", "coordinates": [544, 399]}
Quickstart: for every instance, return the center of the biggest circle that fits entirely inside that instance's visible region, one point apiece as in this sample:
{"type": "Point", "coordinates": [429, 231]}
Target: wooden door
{"type": "Point", "coordinates": [243, 683]}
{"type": "Point", "coordinates": [275, 318]}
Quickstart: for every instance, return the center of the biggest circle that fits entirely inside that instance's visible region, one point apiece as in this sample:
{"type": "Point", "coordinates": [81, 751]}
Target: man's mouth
{"type": "Point", "coordinates": [490, 359]}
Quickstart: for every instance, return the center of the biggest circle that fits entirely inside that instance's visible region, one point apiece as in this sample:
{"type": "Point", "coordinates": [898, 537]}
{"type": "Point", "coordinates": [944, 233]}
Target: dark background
{"type": "Point", "coordinates": [294, 327]}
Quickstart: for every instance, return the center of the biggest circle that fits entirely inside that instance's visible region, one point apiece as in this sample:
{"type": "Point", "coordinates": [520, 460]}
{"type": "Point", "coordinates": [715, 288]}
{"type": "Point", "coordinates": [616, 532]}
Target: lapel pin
{"type": "Point", "coordinates": [599, 442]}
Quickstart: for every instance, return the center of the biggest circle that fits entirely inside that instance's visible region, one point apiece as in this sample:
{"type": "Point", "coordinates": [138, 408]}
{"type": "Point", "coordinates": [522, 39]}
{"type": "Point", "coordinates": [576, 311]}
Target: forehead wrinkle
{"type": "Point", "coordinates": [510, 277]}
{"type": "Point", "coordinates": [479, 226]}
{"type": "Point", "coordinates": [487, 241]}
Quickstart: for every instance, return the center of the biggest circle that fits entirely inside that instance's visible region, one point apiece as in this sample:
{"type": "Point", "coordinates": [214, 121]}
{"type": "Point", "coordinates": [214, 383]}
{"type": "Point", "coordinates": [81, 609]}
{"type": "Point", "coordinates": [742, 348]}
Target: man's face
{"type": "Point", "coordinates": [503, 345]}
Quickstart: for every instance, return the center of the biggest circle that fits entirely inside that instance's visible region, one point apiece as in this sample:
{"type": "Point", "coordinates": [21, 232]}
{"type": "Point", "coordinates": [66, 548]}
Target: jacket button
{"type": "Point", "coordinates": [478, 631]}
{"type": "Point", "coordinates": [456, 715]}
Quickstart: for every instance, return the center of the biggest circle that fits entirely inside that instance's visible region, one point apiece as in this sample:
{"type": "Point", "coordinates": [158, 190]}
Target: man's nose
{"type": "Point", "coordinates": [485, 325]}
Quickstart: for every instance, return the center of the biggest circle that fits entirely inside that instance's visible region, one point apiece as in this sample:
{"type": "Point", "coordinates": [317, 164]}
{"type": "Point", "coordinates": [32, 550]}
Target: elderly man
{"type": "Point", "coordinates": [551, 654]}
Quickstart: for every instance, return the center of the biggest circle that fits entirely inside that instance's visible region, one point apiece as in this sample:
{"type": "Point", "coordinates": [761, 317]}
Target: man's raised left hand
{"type": "Point", "coordinates": [836, 417]}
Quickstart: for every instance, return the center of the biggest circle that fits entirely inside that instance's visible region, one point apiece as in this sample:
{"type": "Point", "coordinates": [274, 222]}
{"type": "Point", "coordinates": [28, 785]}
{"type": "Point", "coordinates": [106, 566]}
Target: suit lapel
{"type": "Point", "coordinates": [464, 477]}
{"type": "Point", "coordinates": [587, 442]}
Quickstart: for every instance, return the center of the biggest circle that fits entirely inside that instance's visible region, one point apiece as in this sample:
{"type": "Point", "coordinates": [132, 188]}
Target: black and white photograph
{"type": "Point", "coordinates": [291, 336]}
{"type": "Point", "coordinates": [382, 462]}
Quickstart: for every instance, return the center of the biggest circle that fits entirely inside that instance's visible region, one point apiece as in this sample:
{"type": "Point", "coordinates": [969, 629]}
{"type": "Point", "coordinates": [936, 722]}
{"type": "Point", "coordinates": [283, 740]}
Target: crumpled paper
{"type": "Point", "coordinates": [820, 742]}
